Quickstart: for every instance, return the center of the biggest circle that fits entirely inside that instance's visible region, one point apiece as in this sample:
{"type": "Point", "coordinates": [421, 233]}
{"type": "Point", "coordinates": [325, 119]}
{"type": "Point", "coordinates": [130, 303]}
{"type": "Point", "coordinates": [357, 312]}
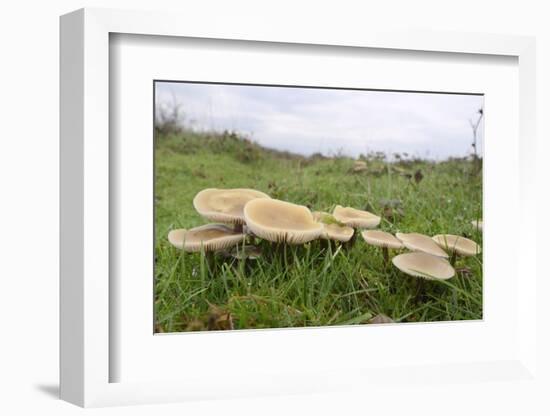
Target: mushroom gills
{"type": "Point", "coordinates": [382, 239]}
{"type": "Point", "coordinates": [421, 242]}
{"type": "Point", "coordinates": [456, 243]}
{"type": "Point", "coordinates": [281, 222]}
{"type": "Point", "coordinates": [209, 237]}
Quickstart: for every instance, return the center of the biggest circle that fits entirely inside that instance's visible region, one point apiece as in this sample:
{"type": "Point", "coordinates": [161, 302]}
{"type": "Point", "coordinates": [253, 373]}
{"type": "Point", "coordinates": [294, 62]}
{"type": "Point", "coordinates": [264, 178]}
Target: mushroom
{"type": "Point", "coordinates": [337, 232]}
{"type": "Point", "coordinates": [457, 245]}
{"type": "Point", "coordinates": [209, 237]}
{"type": "Point", "coordinates": [421, 242]}
{"type": "Point", "coordinates": [281, 222]}
{"type": "Point", "coordinates": [324, 217]}
{"type": "Point", "coordinates": [359, 166]}
{"type": "Point", "coordinates": [355, 217]}
{"type": "Point", "coordinates": [225, 205]}
{"type": "Point", "coordinates": [332, 229]}
{"type": "Point", "coordinates": [423, 266]}
{"type": "Point", "coordinates": [382, 239]}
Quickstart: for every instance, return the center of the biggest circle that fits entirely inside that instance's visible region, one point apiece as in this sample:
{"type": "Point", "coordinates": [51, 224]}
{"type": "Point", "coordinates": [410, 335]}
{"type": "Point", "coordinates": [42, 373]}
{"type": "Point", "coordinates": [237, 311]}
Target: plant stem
{"type": "Point", "coordinates": [210, 262]}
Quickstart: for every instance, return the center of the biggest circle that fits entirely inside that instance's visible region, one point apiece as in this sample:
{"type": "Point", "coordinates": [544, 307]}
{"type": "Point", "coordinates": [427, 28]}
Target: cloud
{"type": "Point", "coordinates": [306, 120]}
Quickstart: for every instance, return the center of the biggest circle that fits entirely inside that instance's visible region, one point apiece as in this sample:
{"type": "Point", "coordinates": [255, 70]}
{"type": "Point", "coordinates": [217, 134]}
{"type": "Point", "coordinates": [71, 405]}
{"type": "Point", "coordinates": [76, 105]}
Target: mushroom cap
{"type": "Point", "coordinates": [381, 239]}
{"type": "Point", "coordinates": [461, 245]}
{"type": "Point", "coordinates": [355, 217]}
{"type": "Point", "coordinates": [209, 237]}
{"type": "Point", "coordinates": [225, 205]}
{"type": "Point", "coordinates": [322, 216]}
{"type": "Point", "coordinates": [359, 166]}
{"type": "Point", "coordinates": [478, 224]}
{"type": "Point", "coordinates": [280, 221]}
{"type": "Point", "coordinates": [427, 266]}
{"type": "Point", "coordinates": [337, 232]}
{"type": "Point", "coordinates": [332, 229]}
{"type": "Point", "coordinates": [421, 242]}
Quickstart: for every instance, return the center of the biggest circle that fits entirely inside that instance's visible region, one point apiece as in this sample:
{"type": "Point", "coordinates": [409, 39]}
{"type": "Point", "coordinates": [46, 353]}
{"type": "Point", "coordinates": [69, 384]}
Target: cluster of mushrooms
{"type": "Point", "coordinates": [241, 213]}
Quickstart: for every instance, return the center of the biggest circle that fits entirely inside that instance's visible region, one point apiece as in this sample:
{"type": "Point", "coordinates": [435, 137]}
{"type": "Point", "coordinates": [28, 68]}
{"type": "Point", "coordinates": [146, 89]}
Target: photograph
{"type": "Point", "coordinates": [285, 206]}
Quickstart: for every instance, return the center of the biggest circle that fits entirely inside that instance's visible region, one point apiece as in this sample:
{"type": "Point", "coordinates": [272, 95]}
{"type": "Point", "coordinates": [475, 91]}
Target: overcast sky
{"type": "Point", "coordinates": [329, 121]}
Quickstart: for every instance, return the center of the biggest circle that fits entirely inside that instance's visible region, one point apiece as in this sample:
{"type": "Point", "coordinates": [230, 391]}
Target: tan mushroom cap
{"type": "Point", "coordinates": [381, 239]}
{"type": "Point", "coordinates": [332, 229]}
{"type": "Point", "coordinates": [322, 216]}
{"type": "Point", "coordinates": [424, 265]}
{"type": "Point", "coordinates": [281, 222]}
{"type": "Point", "coordinates": [355, 217]}
{"type": "Point", "coordinates": [421, 242]}
{"type": "Point", "coordinates": [209, 237]}
{"type": "Point", "coordinates": [225, 205]}
{"type": "Point", "coordinates": [461, 245]}
{"type": "Point", "coordinates": [337, 232]}
{"type": "Point", "coordinates": [359, 166]}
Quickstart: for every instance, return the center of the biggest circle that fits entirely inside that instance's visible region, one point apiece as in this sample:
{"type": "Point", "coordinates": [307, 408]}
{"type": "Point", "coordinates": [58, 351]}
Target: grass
{"type": "Point", "coordinates": [315, 284]}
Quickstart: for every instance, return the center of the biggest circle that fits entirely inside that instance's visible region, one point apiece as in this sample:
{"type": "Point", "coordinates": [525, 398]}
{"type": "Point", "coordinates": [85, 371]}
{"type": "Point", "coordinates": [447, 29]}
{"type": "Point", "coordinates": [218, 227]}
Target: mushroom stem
{"type": "Point", "coordinates": [386, 254]}
{"type": "Point", "coordinates": [280, 252]}
{"type": "Point", "coordinates": [275, 248]}
{"type": "Point", "coordinates": [349, 245]}
{"type": "Point", "coordinates": [420, 290]}
{"type": "Point", "coordinates": [328, 244]}
{"type": "Point", "coordinates": [289, 251]}
{"type": "Point", "coordinates": [452, 260]}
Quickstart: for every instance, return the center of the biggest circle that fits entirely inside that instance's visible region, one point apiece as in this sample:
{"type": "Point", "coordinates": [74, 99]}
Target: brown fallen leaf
{"type": "Point", "coordinates": [195, 325]}
{"type": "Point", "coordinates": [219, 320]}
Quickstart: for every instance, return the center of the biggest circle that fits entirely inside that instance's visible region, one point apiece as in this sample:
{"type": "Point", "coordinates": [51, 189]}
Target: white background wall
{"type": "Point", "coordinates": [29, 184]}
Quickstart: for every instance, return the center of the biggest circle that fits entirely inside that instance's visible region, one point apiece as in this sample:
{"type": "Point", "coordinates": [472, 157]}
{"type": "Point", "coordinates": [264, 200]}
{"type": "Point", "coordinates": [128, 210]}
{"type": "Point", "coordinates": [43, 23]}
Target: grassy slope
{"type": "Point", "coordinates": [310, 285]}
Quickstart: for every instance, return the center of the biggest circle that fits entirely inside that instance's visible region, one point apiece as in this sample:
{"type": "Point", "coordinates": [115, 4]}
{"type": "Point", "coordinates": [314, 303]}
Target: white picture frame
{"type": "Point", "coordinates": [85, 353]}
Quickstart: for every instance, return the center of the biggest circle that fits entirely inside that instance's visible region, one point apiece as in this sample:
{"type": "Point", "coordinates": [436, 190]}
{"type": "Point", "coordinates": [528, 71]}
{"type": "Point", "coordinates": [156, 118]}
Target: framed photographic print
{"type": "Point", "coordinates": [270, 213]}
{"type": "Point", "coordinates": [292, 201]}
